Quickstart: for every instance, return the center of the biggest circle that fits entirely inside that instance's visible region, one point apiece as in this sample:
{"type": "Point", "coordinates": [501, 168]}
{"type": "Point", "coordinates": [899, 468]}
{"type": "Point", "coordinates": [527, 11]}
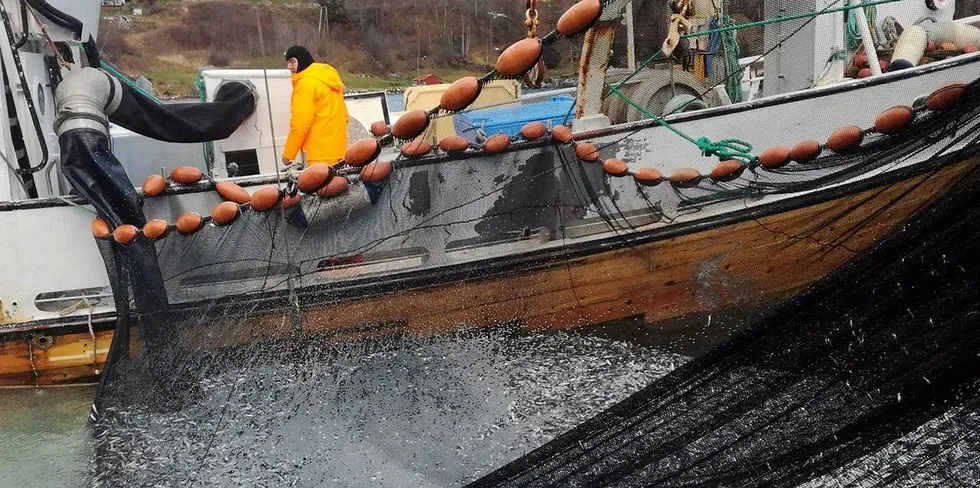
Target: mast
{"type": "Point", "coordinates": [592, 68]}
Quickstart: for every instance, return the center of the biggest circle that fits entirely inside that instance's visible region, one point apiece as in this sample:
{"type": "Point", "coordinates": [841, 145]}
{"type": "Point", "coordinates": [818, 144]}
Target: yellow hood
{"type": "Point", "coordinates": [325, 73]}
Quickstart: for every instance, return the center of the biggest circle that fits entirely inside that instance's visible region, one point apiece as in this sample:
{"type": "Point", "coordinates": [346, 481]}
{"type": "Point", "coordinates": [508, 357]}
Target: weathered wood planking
{"type": "Point", "coordinates": [748, 264]}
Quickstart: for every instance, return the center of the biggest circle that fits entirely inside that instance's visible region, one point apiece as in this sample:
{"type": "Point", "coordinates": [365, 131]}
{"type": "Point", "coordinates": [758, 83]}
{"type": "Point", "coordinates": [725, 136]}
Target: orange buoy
{"type": "Point", "coordinates": [290, 201]}
{"type": "Point", "coordinates": [186, 175]}
{"type": "Point", "coordinates": [805, 151]}
{"type": "Point", "coordinates": [416, 148]}
{"type": "Point", "coordinates": [411, 125]}
{"type": "Point", "coordinates": [586, 151]}
{"type": "Point", "coordinates": [454, 144]}
{"type": "Point", "coordinates": [865, 73]}
{"type": "Point", "coordinates": [861, 60]}
{"type": "Point", "coordinates": [155, 229]}
{"type": "Point", "coordinates": [945, 96]}
{"type": "Point", "coordinates": [533, 131]}
{"type": "Point", "coordinates": [845, 139]}
{"type": "Point", "coordinates": [314, 177]}
{"type": "Point", "coordinates": [154, 185]}
{"type": "Point", "coordinates": [189, 222]}
{"type": "Point", "coordinates": [225, 213]}
{"type": "Point", "coordinates": [648, 176]}
{"type": "Point", "coordinates": [727, 170]}
{"type": "Point", "coordinates": [685, 177]}
{"type": "Point", "coordinates": [561, 133]}
{"type": "Point", "coordinates": [461, 94]}
{"type": "Point", "coordinates": [774, 157]}
{"type": "Point", "coordinates": [380, 129]}
{"type": "Point", "coordinates": [337, 186]}
{"type": "Point", "coordinates": [376, 172]}
{"type": "Point", "coordinates": [232, 192]}
{"type": "Point", "coordinates": [124, 234]}
{"type": "Point", "coordinates": [362, 152]}
{"type": "Point", "coordinates": [948, 46]}
{"type": "Point", "coordinates": [894, 120]}
{"type": "Point", "coordinates": [615, 167]}
{"type": "Point", "coordinates": [579, 17]}
{"type": "Point", "coordinates": [520, 57]}
{"type": "Point", "coordinates": [497, 143]}
{"type": "Point", "coordinates": [265, 199]}
{"type": "Point", "coordinates": [100, 228]}
{"type": "Point", "coordinates": [969, 48]}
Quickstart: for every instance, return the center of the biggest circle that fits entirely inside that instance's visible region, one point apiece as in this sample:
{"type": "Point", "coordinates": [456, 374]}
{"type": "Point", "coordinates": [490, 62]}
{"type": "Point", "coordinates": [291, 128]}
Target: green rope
{"type": "Point", "coordinates": [112, 70]}
{"type": "Point", "coordinates": [724, 149]}
{"type": "Point", "coordinates": [733, 71]}
{"type": "Point", "coordinates": [786, 18]}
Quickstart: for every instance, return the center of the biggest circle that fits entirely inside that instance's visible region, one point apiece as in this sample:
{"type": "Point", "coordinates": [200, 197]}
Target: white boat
{"type": "Point", "coordinates": [533, 231]}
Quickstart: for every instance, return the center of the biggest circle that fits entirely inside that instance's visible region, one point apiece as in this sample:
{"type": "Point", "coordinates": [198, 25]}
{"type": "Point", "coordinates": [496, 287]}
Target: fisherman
{"type": "Point", "coordinates": [319, 117]}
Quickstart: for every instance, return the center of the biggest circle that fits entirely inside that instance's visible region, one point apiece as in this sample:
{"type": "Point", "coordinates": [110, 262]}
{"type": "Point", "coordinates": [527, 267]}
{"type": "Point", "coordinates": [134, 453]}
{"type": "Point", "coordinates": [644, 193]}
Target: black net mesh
{"type": "Point", "coordinates": [826, 389]}
{"type": "Point", "coordinates": [384, 337]}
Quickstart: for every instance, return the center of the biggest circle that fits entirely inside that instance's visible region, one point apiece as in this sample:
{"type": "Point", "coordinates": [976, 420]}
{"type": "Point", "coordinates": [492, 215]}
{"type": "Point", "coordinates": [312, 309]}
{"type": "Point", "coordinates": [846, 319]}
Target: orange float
{"type": "Point", "coordinates": [497, 143]}
{"type": "Point", "coordinates": [100, 228]}
{"type": "Point", "coordinates": [189, 222]}
{"type": "Point", "coordinates": [775, 157]}
{"type": "Point", "coordinates": [946, 96]}
{"type": "Point", "coordinates": [727, 170]}
{"type": "Point", "coordinates": [561, 133]}
{"type": "Point", "coordinates": [894, 120]}
{"type": "Point", "coordinates": [416, 148]}
{"type": "Point", "coordinates": [225, 213]}
{"type": "Point", "coordinates": [533, 131]}
{"type": "Point", "coordinates": [232, 192]}
{"type": "Point", "coordinates": [845, 139]}
{"type": "Point", "coordinates": [615, 167]}
{"type": "Point", "coordinates": [411, 125]}
{"type": "Point", "coordinates": [380, 129]}
{"type": "Point", "coordinates": [155, 229]}
{"type": "Point", "coordinates": [376, 172]}
{"type": "Point", "coordinates": [648, 176]}
{"type": "Point", "coordinates": [265, 199]}
{"type": "Point", "coordinates": [805, 151]}
{"type": "Point", "coordinates": [461, 94]}
{"type": "Point", "coordinates": [362, 152]}
{"type": "Point", "coordinates": [586, 151]}
{"type": "Point", "coordinates": [337, 186]}
{"type": "Point", "coordinates": [154, 185]}
{"type": "Point", "coordinates": [685, 177]}
{"type": "Point", "coordinates": [454, 144]}
{"type": "Point", "coordinates": [125, 234]}
{"type": "Point", "coordinates": [579, 17]}
{"type": "Point", "coordinates": [314, 177]}
{"type": "Point", "coordinates": [520, 57]}
{"type": "Point", "coordinates": [186, 175]}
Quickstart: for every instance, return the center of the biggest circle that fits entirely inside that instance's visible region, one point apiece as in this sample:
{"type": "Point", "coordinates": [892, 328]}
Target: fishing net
{"type": "Point", "coordinates": [491, 319]}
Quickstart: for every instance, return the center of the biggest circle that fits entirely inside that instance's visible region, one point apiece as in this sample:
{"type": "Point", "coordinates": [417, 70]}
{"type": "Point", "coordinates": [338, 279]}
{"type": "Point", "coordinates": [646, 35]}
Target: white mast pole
{"type": "Point", "coordinates": [866, 39]}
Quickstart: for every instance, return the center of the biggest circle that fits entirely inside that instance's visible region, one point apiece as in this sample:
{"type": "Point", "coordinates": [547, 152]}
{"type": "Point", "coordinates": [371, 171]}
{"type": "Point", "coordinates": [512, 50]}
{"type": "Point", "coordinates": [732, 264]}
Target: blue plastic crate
{"type": "Point", "coordinates": [510, 120]}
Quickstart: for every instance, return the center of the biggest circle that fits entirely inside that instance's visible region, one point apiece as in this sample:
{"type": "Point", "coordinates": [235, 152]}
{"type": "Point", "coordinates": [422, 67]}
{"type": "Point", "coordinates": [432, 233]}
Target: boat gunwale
{"type": "Point", "coordinates": [405, 163]}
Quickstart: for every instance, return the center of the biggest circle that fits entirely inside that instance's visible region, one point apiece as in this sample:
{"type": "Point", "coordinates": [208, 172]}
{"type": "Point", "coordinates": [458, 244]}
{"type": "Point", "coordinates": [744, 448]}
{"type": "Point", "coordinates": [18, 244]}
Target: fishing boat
{"type": "Point", "coordinates": [663, 204]}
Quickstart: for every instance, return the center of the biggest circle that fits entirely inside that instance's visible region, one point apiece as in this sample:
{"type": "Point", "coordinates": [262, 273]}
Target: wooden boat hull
{"type": "Point", "coordinates": [673, 283]}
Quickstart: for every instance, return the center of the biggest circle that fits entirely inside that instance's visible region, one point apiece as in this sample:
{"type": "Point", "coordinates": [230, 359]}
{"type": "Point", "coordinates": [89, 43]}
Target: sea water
{"type": "Point", "coordinates": [418, 412]}
{"type": "Point", "coordinates": [45, 440]}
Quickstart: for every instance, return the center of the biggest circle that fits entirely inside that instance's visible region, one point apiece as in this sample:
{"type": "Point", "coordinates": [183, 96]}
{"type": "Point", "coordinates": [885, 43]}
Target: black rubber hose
{"type": "Point", "coordinates": [58, 17]}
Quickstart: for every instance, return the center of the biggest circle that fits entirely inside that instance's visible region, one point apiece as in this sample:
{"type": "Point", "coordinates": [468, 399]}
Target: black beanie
{"type": "Point", "coordinates": [302, 55]}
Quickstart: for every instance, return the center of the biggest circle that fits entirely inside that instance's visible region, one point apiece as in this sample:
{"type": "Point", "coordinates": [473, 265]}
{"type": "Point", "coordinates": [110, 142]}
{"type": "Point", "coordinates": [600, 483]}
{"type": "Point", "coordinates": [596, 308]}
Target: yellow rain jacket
{"type": "Point", "coordinates": [318, 123]}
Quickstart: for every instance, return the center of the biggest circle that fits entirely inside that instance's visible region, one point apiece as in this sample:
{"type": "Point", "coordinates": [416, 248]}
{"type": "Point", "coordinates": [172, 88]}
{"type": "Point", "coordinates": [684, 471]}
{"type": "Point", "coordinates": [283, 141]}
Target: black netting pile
{"type": "Point", "coordinates": [868, 379]}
